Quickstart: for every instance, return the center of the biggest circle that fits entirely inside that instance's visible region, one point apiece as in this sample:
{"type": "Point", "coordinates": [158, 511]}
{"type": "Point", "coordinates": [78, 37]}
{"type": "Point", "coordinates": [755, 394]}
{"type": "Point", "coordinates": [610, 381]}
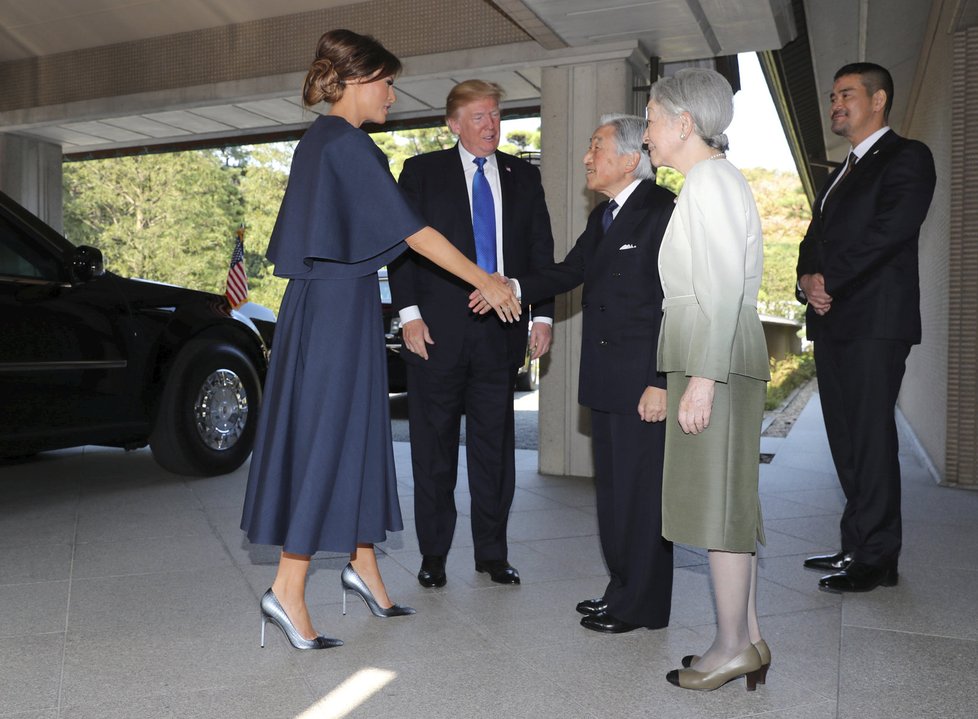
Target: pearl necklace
{"type": "Point", "coordinates": [718, 156]}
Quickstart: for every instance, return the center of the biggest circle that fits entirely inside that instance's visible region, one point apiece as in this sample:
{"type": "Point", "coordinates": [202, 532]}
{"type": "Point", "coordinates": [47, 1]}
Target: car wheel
{"type": "Point", "coordinates": [205, 424]}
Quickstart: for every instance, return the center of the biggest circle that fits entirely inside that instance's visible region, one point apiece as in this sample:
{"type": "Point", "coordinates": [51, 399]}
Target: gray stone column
{"type": "Point", "coordinates": [574, 96]}
{"type": "Point", "coordinates": [30, 172]}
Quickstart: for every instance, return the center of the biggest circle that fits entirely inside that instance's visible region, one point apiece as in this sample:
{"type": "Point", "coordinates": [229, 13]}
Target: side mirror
{"type": "Point", "coordinates": [86, 264]}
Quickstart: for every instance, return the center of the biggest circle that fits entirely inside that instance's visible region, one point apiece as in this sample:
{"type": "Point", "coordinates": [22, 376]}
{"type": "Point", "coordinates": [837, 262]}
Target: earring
{"type": "Point", "coordinates": [682, 136]}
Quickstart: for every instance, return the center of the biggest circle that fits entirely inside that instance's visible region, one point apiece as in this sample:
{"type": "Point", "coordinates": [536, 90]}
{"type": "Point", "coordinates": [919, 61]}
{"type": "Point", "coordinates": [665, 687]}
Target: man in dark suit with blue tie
{"type": "Point", "coordinates": [491, 206]}
{"type": "Point", "coordinates": [857, 271]}
{"type": "Point", "coordinates": [616, 258]}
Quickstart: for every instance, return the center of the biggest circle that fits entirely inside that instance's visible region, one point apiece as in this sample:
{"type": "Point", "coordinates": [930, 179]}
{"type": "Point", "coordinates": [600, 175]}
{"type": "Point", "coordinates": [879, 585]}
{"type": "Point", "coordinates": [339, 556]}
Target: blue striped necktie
{"type": "Point", "coordinates": [483, 219]}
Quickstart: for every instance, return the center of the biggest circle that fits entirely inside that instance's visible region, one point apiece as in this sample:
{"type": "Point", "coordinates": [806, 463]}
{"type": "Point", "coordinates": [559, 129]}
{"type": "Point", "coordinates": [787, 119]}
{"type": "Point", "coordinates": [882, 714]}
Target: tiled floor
{"type": "Point", "coordinates": [128, 592]}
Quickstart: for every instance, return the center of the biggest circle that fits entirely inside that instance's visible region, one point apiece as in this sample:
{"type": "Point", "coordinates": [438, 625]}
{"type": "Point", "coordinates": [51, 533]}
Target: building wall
{"type": "Point", "coordinates": [30, 172]}
{"type": "Point", "coordinates": [962, 359]}
{"type": "Point", "coordinates": [923, 398]}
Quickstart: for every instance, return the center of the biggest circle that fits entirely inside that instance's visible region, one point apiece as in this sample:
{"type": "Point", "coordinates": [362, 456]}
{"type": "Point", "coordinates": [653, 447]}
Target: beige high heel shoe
{"type": "Point", "coordinates": [746, 664]}
{"type": "Point", "coordinates": [762, 649]}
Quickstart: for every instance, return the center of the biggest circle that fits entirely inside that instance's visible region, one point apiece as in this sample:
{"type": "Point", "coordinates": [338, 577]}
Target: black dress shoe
{"type": "Point", "coordinates": [606, 624]}
{"type": "Point", "coordinates": [592, 606]}
{"type": "Point", "coordinates": [500, 571]}
{"type": "Point", "coordinates": [432, 573]}
{"type": "Point", "coordinates": [859, 577]}
{"type": "Point", "coordinates": [829, 562]}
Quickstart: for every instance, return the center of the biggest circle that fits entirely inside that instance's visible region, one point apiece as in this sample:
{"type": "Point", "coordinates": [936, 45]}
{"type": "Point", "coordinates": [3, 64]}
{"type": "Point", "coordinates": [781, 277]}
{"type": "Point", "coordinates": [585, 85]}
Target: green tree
{"type": "Point", "coordinates": [525, 139]}
{"type": "Point", "coordinates": [167, 217]}
{"type": "Point", "coordinates": [263, 178]}
{"type": "Point", "coordinates": [399, 145]}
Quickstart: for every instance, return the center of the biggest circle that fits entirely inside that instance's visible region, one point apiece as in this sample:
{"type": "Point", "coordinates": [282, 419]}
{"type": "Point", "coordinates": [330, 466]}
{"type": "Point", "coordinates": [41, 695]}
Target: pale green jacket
{"type": "Point", "coordinates": [710, 264]}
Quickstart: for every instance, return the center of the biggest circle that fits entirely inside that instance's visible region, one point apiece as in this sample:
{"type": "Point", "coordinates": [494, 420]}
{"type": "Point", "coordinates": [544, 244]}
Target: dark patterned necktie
{"type": "Point", "coordinates": [850, 163]}
{"type": "Point", "coordinates": [609, 215]}
{"type": "Point", "coordinates": [483, 219]}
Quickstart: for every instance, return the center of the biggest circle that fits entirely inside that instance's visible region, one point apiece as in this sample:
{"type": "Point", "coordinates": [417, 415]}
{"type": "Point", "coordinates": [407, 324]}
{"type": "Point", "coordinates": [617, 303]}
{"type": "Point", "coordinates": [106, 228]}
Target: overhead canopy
{"type": "Point", "coordinates": [93, 75]}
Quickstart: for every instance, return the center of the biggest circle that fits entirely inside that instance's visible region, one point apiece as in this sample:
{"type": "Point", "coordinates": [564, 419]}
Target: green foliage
{"type": "Point", "coordinates": [399, 145]}
{"type": "Point", "coordinates": [262, 180]}
{"type": "Point", "coordinates": [670, 179]}
{"type": "Point", "coordinates": [168, 217]}
{"type": "Point", "coordinates": [525, 139]}
{"type": "Point", "coordinates": [787, 375]}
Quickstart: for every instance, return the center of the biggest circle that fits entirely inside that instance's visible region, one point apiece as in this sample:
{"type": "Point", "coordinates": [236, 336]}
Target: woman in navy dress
{"type": "Point", "coordinates": [322, 472]}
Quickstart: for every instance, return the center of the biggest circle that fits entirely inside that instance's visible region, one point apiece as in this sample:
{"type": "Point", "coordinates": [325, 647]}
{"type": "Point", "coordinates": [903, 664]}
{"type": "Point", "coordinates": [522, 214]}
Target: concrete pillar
{"type": "Point", "coordinates": [573, 98]}
{"type": "Point", "coordinates": [30, 172]}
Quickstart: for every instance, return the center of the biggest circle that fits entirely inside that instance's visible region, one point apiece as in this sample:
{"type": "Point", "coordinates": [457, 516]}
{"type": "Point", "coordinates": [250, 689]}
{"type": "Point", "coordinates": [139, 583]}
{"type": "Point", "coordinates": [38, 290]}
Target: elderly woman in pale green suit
{"type": "Point", "coordinates": [712, 348]}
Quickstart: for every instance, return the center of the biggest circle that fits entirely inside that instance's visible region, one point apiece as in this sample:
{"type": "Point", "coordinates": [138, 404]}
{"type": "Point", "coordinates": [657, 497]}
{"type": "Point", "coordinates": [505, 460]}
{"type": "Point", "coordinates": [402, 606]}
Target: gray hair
{"type": "Point", "coordinates": [629, 132]}
{"type": "Point", "coordinates": [705, 95]}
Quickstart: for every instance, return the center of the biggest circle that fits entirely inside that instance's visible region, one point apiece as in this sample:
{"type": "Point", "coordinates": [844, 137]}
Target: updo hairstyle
{"type": "Point", "coordinates": [705, 95]}
{"type": "Point", "coordinates": [342, 56]}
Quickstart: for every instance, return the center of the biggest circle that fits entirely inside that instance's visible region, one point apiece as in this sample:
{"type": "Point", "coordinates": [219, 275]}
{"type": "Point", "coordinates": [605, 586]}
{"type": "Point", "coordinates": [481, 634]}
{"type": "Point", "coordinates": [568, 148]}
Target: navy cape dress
{"type": "Point", "coordinates": [322, 471]}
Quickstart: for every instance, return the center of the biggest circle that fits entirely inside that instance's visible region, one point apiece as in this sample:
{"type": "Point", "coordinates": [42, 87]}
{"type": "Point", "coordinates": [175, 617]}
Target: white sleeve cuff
{"type": "Point", "coordinates": [408, 314]}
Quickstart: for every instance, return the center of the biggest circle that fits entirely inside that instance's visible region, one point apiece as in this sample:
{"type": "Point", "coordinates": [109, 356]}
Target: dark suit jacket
{"type": "Point", "coordinates": [622, 299]}
{"type": "Point", "coordinates": [435, 184]}
{"type": "Point", "coordinates": [865, 244]}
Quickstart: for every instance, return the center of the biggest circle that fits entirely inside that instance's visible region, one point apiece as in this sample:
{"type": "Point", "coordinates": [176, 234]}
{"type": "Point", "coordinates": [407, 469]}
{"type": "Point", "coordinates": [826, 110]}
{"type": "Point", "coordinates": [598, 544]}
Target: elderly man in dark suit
{"type": "Point", "coordinates": [857, 271]}
{"type": "Point", "coordinates": [616, 259]}
{"type": "Point", "coordinates": [491, 206]}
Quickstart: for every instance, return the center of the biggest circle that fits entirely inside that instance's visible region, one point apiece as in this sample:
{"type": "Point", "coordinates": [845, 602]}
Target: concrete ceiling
{"type": "Point", "coordinates": [891, 32]}
{"type": "Point", "coordinates": [35, 28]}
{"type": "Point", "coordinates": [673, 30]}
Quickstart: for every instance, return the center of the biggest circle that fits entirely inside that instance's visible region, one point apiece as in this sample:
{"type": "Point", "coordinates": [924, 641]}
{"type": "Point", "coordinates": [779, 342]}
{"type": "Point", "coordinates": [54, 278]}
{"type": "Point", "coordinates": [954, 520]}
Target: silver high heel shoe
{"type": "Point", "coordinates": [352, 583]}
{"type": "Point", "coordinates": [272, 611]}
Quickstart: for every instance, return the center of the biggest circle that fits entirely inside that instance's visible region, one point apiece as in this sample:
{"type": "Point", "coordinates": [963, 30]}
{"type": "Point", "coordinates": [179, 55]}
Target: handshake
{"type": "Point", "coordinates": [480, 304]}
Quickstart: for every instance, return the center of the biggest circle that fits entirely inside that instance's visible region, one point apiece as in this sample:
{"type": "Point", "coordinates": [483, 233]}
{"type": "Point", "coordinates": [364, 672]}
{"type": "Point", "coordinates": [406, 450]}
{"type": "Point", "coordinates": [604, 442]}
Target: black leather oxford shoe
{"type": "Point", "coordinates": [592, 606]}
{"type": "Point", "coordinates": [606, 624]}
{"type": "Point", "coordinates": [829, 562]}
{"type": "Point", "coordinates": [432, 573]}
{"type": "Point", "coordinates": [859, 577]}
{"type": "Point", "coordinates": [500, 571]}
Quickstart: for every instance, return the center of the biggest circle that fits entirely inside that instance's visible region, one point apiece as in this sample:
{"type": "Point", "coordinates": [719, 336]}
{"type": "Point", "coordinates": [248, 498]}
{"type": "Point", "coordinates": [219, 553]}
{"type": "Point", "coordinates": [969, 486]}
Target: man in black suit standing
{"type": "Point", "coordinates": [491, 206]}
{"type": "Point", "coordinates": [857, 271]}
{"type": "Point", "coordinates": [616, 258]}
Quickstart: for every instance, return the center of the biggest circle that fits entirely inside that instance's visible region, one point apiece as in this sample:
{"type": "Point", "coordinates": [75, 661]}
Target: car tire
{"type": "Point", "coordinates": [199, 428]}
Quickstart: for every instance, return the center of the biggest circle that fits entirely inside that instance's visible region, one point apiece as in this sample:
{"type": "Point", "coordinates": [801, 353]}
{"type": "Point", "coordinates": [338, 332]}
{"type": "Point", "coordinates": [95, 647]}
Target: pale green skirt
{"type": "Point", "coordinates": [709, 480]}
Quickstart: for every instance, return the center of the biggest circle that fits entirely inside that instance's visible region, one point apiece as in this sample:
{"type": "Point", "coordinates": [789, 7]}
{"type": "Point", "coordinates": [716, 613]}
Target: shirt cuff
{"type": "Point", "coordinates": [519, 290]}
{"type": "Point", "coordinates": [409, 314]}
{"type": "Point", "coordinates": [544, 320]}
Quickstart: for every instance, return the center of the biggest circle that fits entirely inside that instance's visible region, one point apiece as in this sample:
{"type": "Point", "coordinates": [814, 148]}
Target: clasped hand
{"type": "Point", "coordinates": [500, 295]}
{"type": "Point", "coordinates": [480, 303]}
{"type": "Point", "coordinates": [814, 288]}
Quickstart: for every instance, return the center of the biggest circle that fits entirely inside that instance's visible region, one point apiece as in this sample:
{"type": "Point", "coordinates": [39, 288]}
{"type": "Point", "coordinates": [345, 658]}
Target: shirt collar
{"type": "Point", "coordinates": [468, 157]}
{"type": "Point", "coordinates": [863, 147]}
{"type": "Point", "coordinates": [622, 197]}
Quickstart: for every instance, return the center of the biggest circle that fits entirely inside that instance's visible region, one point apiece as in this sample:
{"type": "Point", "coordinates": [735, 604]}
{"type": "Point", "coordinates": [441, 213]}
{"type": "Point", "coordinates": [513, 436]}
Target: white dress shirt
{"type": "Point", "coordinates": [491, 170]}
{"type": "Point", "coordinates": [859, 150]}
